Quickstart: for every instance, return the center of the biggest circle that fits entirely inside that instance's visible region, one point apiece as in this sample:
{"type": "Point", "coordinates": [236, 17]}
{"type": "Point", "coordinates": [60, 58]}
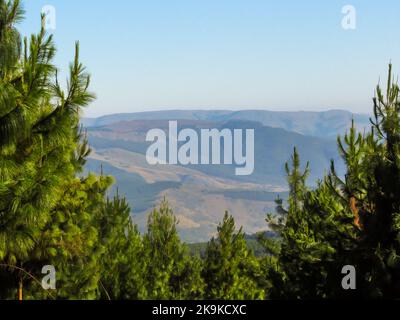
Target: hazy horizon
{"type": "Point", "coordinates": [286, 55]}
{"type": "Point", "coordinates": [288, 110]}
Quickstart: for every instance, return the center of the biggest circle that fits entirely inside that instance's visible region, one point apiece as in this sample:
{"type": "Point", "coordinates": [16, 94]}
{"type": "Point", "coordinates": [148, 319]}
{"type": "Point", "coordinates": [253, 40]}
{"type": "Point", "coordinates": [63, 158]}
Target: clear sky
{"type": "Point", "coordinates": [235, 54]}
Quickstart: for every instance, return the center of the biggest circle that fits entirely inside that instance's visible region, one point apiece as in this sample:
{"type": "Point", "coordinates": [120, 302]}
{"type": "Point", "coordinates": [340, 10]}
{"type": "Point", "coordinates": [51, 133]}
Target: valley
{"type": "Point", "coordinates": [200, 194]}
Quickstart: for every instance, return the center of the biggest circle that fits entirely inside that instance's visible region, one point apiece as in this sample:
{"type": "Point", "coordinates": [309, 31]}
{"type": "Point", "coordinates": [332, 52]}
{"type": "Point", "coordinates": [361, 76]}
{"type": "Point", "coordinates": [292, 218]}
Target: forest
{"type": "Point", "coordinates": [53, 215]}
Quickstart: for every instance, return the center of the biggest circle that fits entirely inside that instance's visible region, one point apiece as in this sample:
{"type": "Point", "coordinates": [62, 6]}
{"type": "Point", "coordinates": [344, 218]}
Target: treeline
{"type": "Point", "coordinates": [51, 215]}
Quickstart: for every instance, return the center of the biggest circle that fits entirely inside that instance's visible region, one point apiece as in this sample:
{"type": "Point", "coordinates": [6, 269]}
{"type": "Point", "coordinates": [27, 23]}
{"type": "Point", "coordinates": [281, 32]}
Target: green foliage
{"type": "Point", "coordinates": [378, 200]}
{"type": "Point", "coordinates": [71, 240]}
{"type": "Point", "coordinates": [171, 273]}
{"type": "Point", "coordinates": [52, 215]}
{"type": "Point", "coordinates": [231, 271]}
{"type": "Point", "coordinates": [345, 222]}
{"type": "Point", "coordinates": [41, 145]}
{"type": "Point", "coordinates": [122, 263]}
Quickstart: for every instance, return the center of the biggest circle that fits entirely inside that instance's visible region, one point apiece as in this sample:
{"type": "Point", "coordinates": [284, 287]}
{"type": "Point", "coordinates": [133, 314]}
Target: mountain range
{"type": "Point", "coordinates": [321, 124]}
{"type": "Point", "coordinates": [200, 194]}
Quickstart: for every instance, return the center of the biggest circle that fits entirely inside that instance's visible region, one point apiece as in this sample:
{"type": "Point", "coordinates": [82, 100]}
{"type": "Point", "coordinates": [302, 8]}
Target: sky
{"type": "Point", "coordinates": [285, 55]}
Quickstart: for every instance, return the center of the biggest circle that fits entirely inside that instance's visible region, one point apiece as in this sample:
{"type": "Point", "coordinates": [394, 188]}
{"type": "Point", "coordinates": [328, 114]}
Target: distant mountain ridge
{"type": "Point", "coordinates": [273, 147]}
{"type": "Point", "coordinates": [326, 124]}
{"type": "Point", "coordinates": [200, 194]}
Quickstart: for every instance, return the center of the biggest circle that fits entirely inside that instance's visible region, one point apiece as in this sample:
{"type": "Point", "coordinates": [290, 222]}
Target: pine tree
{"type": "Point", "coordinates": [123, 265]}
{"type": "Point", "coordinates": [316, 236]}
{"type": "Point", "coordinates": [231, 271]}
{"type": "Point", "coordinates": [350, 221]}
{"type": "Point", "coordinates": [170, 273]}
{"type": "Point", "coordinates": [379, 205]}
{"type": "Point", "coordinates": [39, 139]}
{"type": "Point", "coordinates": [370, 191]}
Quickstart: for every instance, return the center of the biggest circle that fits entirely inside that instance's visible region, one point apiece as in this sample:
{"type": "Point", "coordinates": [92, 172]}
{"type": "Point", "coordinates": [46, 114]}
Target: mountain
{"type": "Point", "coordinates": [320, 124]}
{"type": "Point", "coordinates": [200, 194]}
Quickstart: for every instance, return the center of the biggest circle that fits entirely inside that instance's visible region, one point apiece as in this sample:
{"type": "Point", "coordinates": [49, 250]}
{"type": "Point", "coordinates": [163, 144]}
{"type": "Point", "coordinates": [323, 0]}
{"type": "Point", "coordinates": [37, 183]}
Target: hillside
{"type": "Point", "coordinates": [200, 194]}
{"type": "Point", "coordinates": [321, 124]}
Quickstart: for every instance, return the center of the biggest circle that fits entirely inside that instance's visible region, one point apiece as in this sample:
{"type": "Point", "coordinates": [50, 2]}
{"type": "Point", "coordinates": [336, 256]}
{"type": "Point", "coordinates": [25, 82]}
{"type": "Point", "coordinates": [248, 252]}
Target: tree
{"type": "Point", "coordinates": [371, 191]}
{"type": "Point", "coordinates": [230, 270]}
{"type": "Point", "coordinates": [378, 205]}
{"type": "Point", "coordinates": [39, 139]}
{"type": "Point", "coordinates": [170, 272]}
{"type": "Point", "coordinates": [315, 233]}
{"type": "Point", "coordinates": [123, 265]}
{"type": "Point", "coordinates": [71, 242]}
{"type": "Point", "coordinates": [351, 221]}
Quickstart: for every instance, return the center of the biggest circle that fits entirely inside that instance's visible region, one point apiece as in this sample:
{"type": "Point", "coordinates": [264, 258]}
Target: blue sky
{"type": "Point", "coordinates": [226, 54]}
